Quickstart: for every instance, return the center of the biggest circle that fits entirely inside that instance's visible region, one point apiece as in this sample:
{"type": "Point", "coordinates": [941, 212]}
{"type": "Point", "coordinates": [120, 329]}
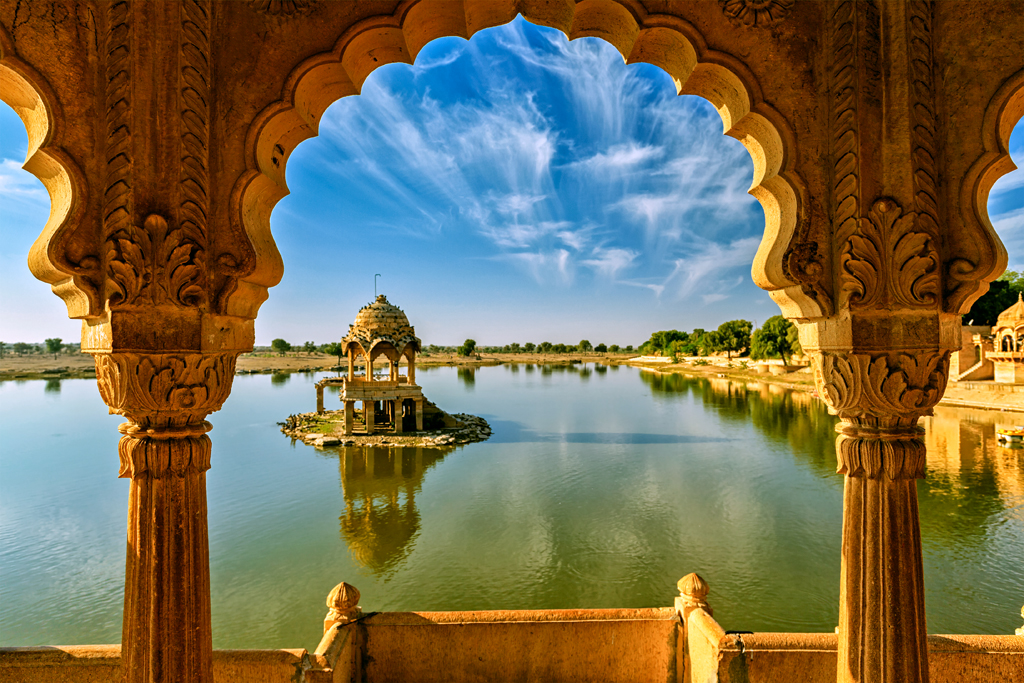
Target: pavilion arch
{"type": "Point", "coordinates": [1004, 110]}
{"type": "Point", "coordinates": [668, 42]}
{"type": "Point", "coordinates": [35, 103]}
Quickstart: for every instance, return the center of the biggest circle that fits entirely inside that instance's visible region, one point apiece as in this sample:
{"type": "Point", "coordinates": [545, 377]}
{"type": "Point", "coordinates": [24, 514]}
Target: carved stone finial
{"type": "Point", "coordinates": [693, 593]}
{"type": "Point", "coordinates": [343, 604]}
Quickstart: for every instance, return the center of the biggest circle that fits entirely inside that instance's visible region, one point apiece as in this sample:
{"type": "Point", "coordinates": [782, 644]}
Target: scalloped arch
{"type": "Point", "coordinates": [667, 42]}
{"type": "Point", "coordinates": [1003, 112]}
{"type": "Point", "coordinates": [32, 99]}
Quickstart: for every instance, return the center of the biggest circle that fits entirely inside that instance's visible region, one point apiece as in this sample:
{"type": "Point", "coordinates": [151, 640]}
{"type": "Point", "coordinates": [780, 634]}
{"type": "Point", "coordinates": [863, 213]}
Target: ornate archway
{"type": "Point", "coordinates": [162, 132]}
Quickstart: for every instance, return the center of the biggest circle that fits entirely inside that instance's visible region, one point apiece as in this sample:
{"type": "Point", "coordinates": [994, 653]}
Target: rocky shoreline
{"type": "Point", "coordinates": [321, 431]}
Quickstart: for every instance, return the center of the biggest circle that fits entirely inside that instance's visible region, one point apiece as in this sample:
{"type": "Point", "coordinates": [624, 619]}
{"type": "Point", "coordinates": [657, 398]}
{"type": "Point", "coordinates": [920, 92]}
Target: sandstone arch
{"type": "Point", "coordinates": [665, 41]}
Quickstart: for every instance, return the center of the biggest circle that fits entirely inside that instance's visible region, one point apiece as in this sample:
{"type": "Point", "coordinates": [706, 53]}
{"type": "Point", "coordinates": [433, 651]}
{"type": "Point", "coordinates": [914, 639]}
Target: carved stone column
{"type": "Point", "coordinates": [880, 450]}
{"type": "Point", "coordinates": [165, 452]}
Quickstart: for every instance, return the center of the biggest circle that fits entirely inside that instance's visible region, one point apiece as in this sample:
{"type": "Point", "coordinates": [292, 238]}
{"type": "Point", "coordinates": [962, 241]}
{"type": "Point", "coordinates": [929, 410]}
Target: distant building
{"type": "Point", "coordinates": [1008, 343]}
{"type": "Point", "coordinates": [992, 353]}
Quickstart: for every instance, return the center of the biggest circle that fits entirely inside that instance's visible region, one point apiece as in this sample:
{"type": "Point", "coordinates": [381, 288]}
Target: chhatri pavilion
{"type": "Point", "coordinates": [1008, 353]}
{"type": "Point", "coordinates": [389, 402]}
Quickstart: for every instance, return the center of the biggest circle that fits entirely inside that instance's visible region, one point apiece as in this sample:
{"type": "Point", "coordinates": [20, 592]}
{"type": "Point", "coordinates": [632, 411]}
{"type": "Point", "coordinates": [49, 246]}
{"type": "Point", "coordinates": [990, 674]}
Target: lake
{"type": "Point", "coordinates": [600, 487]}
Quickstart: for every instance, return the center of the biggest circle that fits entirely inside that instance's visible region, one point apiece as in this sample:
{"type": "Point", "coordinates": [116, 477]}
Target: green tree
{"type": "Point", "coordinates": [601, 348]}
{"type": "Point", "coordinates": [614, 348]}
{"type": "Point", "coordinates": [1001, 295]}
{"type": "Point", "coordinates": [734, 336]}
{"type": "Point", "coordinates": [21, 348]}
{"type": "Point", "coordinates": [514, 347]}
{"type": "Point", "coordinates": [281, 346]}
{"type": "Point", "coordinates": [467, 348]}
{"type": "Point", "coordinates": [3, 345]}
{"type": "Point", "coordinates": [529, 347]}
{"type": "Point", "coordinates": [309, 347]}
{"type": "Point", "coordinates": [773, 340]}
{"type": "Point", "coordinates": [585, 346]}
{"type": "Point", "coordinates": [629, 349]}
{"type": "Point", "coordinates": [335, 349]}
{"type": "Point", "coordinates": [54, 346]}
{"type": "Point", "coordinates": [545, 347]}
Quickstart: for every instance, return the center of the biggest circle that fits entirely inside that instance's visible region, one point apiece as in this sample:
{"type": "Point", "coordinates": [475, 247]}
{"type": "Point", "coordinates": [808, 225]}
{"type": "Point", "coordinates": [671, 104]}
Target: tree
{"type": "Point", "coordinates": [601, 348]}
{"type": "Point", "coordinates": [3, 345]}
{"type": "Point", "coordinates": [309, 347]}
{"type": "Point", "coordinates": [773, 340]}
{"type": "Point", "coordinates": [335, 349]}
{"type": "Point", "coordinates": [281, 346]}
{"type": "Point", "coordinates": [545, 347]}
{"type": "Point", "coordinates": [514, 347]}
{"type": "Point", "coordinates": [614, 348]}
{"type": "Point", "coordinates": [1001, 295]}
{"type": "Point", "coordinates": [734, 336]}
{"type": "Point", "coordinates": [585, 346]}
{"type": "Point", "coordinates": [467, 348]}
{"type": "Point", "coordinates": [54, 346]}
{"type": "Point", "coordinates": [529, 347]}
{"type": "Point", "coordinates": [629, 349]}
{"type": "Point", "coordinates": [21, 348]}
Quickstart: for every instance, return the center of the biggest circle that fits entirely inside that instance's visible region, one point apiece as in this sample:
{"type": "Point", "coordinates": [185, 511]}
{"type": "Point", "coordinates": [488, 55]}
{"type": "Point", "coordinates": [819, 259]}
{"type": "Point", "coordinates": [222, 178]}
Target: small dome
{"type": "Point", "coordinates": [1012, 315]}
{"type": "Point", "coordinates": [379, 322]}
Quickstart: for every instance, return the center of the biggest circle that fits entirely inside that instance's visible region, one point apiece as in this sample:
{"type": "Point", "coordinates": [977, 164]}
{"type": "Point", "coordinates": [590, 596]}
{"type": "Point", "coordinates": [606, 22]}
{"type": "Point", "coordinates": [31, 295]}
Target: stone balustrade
{"type": "Point", "coordinates": [683, 644]}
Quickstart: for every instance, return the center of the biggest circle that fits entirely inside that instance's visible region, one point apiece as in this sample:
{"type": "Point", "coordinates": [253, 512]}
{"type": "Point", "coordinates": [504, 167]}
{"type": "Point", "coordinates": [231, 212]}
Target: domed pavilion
{"type": "Point", "coordinates": [388, 401]}
{"type": "Point", "coordinates": [1008, 353]}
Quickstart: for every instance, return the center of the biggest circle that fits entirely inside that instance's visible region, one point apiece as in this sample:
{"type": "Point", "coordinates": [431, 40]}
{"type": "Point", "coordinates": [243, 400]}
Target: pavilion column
{"type": "Point", "coordinates": [412, 369]}
{"type": "Point", "coordinates": [880, 450]}
{"type": "Point", "coordinates": [165, 452]}
{"type": "Point", "coordinates": [351, 363]}
{"type": "Point", "coordinates": [349, 417]}
{"type": "Point", "coordinates": [369, 415]}
{"type": "Point", "coordinates": [419, 415]}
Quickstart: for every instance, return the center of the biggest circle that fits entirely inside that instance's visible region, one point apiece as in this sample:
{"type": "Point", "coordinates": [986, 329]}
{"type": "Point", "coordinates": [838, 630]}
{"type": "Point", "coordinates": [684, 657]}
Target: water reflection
{"type": "Point", "coordinates": [52, 386]}
{"type": "Point", "coordinates": [467, 376]}
{"type": "Point", "coordinates": [279, 379]}
{"type": "Point", "coordinates": [379, 486]}
{"type": "Point", "coordinates": [792, 418]}
{"type": "Point", "coordinates": [973, 484]}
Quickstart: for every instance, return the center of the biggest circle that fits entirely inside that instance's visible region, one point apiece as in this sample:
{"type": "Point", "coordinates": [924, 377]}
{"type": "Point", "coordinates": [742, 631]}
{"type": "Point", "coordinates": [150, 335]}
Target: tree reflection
{"type": "Point", "coordinates": [793, 418]}
{"type": "Point", "coordinates": [971, 480]}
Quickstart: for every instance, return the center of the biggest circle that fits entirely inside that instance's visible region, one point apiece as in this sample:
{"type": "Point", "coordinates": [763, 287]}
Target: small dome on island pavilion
{"type": "Point", "coordinates": [381, 321]}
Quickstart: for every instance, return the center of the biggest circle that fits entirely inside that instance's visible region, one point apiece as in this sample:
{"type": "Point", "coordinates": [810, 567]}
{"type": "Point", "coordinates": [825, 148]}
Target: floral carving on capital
{"type": "Point", "coordinates": [886, 262]}
{"type": "Point", "coordinates": [158, 392]}
{"type": "Point", "coordinates": [889, 387]}
{"type": "Point", "coordinates": [756, 12]}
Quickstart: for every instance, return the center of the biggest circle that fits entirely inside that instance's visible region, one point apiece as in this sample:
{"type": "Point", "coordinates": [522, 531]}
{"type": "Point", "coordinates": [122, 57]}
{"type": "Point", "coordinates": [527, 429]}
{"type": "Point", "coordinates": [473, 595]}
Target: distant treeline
{"type": "Point", "coordinates": [777, 338]}
{"type": "Point", "coordinates": [469, 347]}
{"type": "Point", "coordinates": [50, 346]}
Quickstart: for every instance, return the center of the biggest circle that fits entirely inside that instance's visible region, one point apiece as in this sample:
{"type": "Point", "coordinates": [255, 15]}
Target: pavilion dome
{"type": "Point", "coordinates": [381, 321]}
{"type": "Point", "coordinates": [1013, 315]}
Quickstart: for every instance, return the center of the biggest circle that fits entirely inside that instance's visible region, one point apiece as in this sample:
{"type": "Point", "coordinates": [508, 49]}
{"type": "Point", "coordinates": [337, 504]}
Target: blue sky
{"type": "Point", "coordinates": [513, 188]}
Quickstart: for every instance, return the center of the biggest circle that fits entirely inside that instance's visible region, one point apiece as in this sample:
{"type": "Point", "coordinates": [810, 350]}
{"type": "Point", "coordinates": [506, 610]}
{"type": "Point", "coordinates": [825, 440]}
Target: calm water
{"type": "Point", "coordinates": [600, 488]}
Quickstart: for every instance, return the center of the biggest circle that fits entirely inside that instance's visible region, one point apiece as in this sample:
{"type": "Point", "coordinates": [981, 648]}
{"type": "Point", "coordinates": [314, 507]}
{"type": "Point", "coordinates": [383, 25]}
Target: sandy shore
{"type": "Point", "coordinates": [983, 395]}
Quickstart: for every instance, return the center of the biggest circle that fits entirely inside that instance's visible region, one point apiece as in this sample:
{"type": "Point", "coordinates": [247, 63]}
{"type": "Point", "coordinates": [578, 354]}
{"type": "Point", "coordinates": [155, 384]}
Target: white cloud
{"type": "Point", "coordinates": [16, 182]}
{"type": "Point", "coordinates": [609, 262]}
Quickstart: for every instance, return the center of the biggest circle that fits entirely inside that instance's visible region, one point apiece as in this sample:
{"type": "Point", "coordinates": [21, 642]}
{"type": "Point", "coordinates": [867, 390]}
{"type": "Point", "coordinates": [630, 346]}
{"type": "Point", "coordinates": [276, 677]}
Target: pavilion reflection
{"type": "Point", "coordinates": [379, 485]}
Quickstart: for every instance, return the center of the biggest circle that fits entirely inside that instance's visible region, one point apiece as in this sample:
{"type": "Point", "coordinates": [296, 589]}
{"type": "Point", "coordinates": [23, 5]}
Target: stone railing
{"type": "Point", "coordinates": [684, 644]}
